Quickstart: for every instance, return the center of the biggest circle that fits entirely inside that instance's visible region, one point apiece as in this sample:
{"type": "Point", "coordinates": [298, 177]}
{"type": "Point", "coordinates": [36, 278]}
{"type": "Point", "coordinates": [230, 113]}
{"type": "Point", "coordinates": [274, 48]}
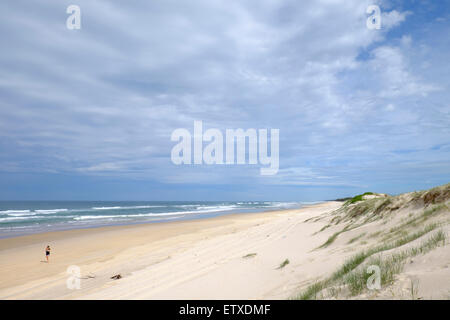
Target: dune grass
{"type": "Point", "coordinates": [356, 238]}
{"type": "Point", "coordinates": [371, 210]}
{"type": "Point", "coordinates": [391, 267]}
{"type": "Point", "coordinates": [325, 227]}
{"type": "Point", "coordinates": [250, 255]}
{"type": "Point", "coordinates": [416, 221]}
{"type": "Point", "coordinates": [400, 230]}
{"type": "Point", "coordinates": [359, 197]}
{"type": "Point", "coordinates": [414, 289]}
{"type": "Point", "coordinates": [330, 240]}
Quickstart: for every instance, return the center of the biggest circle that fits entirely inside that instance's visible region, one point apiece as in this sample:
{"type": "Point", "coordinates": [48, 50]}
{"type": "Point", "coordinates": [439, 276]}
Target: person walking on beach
{"type": "Point", "coordinates": [47, 252]}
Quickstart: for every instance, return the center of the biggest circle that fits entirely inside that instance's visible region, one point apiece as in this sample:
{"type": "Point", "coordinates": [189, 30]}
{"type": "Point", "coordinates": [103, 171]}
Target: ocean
{"type": "Point", "coordinates": [26, 217]}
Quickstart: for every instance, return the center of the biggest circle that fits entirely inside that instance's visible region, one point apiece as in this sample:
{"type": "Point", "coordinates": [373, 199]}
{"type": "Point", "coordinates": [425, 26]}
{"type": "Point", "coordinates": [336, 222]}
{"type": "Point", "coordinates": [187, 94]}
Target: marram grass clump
{"type": "Point", "coordinates": [353, 273]}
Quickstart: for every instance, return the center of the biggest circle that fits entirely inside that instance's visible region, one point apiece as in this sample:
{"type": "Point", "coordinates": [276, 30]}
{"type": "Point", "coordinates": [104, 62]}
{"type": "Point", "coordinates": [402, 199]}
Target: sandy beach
{"type": "Point", "coordinates": [267, 255]}
{"type": "Point", "coordinates": [201, 259]}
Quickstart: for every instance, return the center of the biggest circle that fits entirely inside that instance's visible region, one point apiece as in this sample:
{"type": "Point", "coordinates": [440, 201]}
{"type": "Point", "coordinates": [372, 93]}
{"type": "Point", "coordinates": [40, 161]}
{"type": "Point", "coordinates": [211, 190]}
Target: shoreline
{"type": "Point", "coordinates": [130, 249]}
{"type": "Point", "coordinates": [6, 233]}
{"type": "Point", "coordinates": [161, 221]}
{"type": "Point", "coordinates": [73, 232]}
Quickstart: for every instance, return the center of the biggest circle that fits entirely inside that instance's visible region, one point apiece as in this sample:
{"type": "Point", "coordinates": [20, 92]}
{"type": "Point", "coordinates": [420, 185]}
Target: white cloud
{"type": "Point", "coordinates": [393, 18]}
{"type": "Point", "coordinates": [106, 98]}
{"type": "Point", "coordinates": [391, 68]}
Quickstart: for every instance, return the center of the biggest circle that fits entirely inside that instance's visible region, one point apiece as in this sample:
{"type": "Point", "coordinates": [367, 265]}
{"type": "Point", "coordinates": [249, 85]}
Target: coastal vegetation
{"type": "Point", "coordinates": [406, 226]}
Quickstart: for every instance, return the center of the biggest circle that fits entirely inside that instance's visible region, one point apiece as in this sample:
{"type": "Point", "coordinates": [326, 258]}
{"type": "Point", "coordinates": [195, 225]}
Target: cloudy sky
{"type": "Point", "coordinates": [88, 114]}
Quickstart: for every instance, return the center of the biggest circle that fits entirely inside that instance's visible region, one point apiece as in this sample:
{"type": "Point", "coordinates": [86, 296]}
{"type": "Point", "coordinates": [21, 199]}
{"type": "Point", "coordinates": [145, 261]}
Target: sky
{"type": "Point", "coordinates": [88, 114]}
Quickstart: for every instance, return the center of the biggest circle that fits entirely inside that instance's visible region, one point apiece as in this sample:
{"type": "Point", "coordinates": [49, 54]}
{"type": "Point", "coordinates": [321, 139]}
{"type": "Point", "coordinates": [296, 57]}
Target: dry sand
{"type": "Point", "coordinates": [205, 259]}
{"type": "Point", "coordinates": [201, 259]}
